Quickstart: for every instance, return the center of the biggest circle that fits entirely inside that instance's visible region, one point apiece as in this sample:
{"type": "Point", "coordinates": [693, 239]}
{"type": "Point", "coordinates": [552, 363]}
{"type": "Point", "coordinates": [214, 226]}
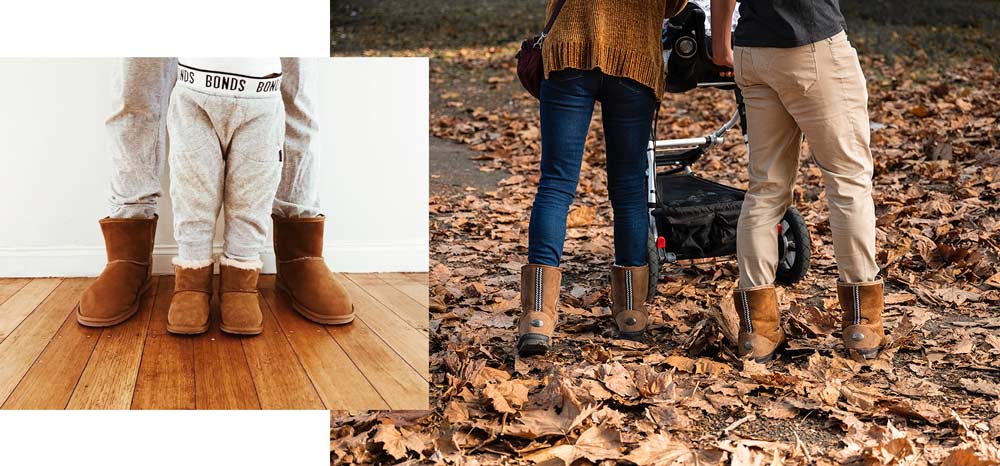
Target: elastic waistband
{"type": "Point", "coordinates": [227, 84]}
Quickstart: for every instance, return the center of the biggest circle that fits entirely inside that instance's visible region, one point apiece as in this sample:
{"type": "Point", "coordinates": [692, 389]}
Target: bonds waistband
{"type": "Point", "coordinates": [229, 84]}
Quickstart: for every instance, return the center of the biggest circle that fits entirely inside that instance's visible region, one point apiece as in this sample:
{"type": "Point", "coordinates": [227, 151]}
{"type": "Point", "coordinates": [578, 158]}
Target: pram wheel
{"type": "Point", "coordinates": [793, 248]}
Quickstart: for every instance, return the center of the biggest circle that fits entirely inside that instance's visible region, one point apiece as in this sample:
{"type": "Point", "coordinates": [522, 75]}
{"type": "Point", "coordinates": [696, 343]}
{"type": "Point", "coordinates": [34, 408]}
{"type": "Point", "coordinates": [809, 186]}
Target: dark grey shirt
{"type": "Point", "coordinates": [787, 23]}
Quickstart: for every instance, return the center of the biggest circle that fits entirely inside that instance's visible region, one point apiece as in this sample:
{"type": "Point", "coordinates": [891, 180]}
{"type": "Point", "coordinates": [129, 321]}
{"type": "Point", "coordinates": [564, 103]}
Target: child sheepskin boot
{"type": "Point", "coordinates": [189, 306]}
{"type": "Point", "coordinates": [303, 275]}
{"type": "Point", "coordinates": [760, 324]}
{"type": "Point", "coordinates": [629, 286]}
{"type": "Point", "coordinates": [862, 321]}
{"type": "Point", "coordinates": [539, 299]}
{"type": "Point", "coordinates": [115, 295]}
{"type": "Point", "coordinates": [241, 314]}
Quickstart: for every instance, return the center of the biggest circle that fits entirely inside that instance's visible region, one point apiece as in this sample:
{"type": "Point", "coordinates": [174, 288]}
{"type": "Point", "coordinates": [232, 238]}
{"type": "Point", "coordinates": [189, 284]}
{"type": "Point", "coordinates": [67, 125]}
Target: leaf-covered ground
{"type": "Point", "coordinates": [682, 396]}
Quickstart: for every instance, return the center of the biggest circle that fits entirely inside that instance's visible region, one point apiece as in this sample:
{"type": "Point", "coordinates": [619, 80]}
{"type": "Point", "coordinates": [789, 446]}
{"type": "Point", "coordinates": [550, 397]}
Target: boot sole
{"type": "Point", "coordinates": [533, 344]}
{"type": "Point", "coordinates": [770, 356]}
{"type": "Point", "coordinates": [766, 359]}
{"type": "Point", "coordinates": [132, 310]}
{"type": "Point", "coordinates": [241, 331]}
{"type": "Point", "coordinates": [187, 330]}
{"type": "Point", "coordinates": [867, 354]}
{"type": "Point", "coordinates": [635, 336]}
{"type": "Point", "coordinates": [318, 318]}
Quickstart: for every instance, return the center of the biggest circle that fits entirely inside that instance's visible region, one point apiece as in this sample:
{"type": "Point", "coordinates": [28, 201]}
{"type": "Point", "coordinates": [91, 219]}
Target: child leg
{"type": "Point", "coordinates": [196, 177]}
{"type": "Point", "coordinates": [253, 169]}
{"type": "Point", "coordinates": [197, 172]}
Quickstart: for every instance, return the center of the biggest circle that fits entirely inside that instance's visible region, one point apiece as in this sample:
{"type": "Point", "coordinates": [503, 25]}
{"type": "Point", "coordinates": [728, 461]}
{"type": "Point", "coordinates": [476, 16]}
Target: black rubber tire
{"type": "Point", "coordinates": [793, 248]}
{"type": "Point", "coordinates": [653, 261]}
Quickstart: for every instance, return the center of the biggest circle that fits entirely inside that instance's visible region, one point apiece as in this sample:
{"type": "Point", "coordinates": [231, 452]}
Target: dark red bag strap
{"type": "Point", "coordinates": [552, 20]}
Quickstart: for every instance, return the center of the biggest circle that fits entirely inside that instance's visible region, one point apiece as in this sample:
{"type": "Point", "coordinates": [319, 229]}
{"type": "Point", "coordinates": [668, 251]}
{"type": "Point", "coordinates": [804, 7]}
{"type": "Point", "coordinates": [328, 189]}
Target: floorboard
{"type": "Point", "coordinates": [17, 307]}
{"type": "Point", "coordinates": [398, 302]}
{"type": "Point", "coordinates": [21, 348]}
{"type": "Point", "coordinates": [410, 343]}
{"type": "Point", "coordinates": [377, 362]}
{"type": "Point", "coordinates": [166, 375]}
{"type": "Point", "coordinates": [108, 382]}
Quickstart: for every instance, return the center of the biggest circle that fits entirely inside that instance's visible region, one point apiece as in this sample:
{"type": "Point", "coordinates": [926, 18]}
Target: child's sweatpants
{"type": "Point", "coordinates": [226, 134]}
{"type": "Point", "coordinates": [136, 131]}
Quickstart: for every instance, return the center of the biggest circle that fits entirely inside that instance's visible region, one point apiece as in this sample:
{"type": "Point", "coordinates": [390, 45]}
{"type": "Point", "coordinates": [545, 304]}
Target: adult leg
{"type": "Point", "coordinates": [774, 152]}
{"type": "Point", "coordinates": [298, 224]}
{"type": "Point", "coordinates": [775, 141]}
{"type": "Point", "coordinates": [567, 104]}
{"type": "Point", "coordinates": [628, 108]}
{"type": "Point", "coordinates": [298, 191]}
{"type": "Point", "coordinates": [834, 116]}
{"type": "Point", "coordinates": [137, 131]}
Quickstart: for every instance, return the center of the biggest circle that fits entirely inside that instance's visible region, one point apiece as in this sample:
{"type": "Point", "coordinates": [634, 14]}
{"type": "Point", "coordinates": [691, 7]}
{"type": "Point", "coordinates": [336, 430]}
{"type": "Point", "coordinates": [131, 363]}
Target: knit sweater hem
{"type": "Point", "coordinates": [612, 61]}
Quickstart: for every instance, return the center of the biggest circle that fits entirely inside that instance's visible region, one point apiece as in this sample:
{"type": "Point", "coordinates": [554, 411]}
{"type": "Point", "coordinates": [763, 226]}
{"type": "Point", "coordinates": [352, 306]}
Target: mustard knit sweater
{"type": "Point", "coordinates": [621, 37]}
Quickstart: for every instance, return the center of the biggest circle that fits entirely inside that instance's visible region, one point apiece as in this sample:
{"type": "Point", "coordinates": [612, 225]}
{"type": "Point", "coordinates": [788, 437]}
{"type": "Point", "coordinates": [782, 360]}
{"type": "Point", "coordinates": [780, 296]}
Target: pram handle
{"type": "Point", "coordinates": [717, 137]}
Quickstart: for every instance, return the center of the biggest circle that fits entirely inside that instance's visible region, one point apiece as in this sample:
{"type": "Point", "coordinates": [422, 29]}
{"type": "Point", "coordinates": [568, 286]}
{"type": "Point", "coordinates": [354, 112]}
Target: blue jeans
{"type": "Point", "coordinates": [567, 104]}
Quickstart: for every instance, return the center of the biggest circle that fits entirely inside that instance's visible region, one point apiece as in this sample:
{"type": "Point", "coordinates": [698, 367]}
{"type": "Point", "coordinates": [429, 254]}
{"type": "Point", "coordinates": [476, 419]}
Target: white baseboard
{"type": "Point", "coordinates": [88, 261]}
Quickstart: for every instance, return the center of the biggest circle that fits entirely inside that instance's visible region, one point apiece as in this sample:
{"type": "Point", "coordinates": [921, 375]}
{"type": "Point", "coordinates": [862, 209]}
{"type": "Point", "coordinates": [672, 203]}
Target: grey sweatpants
{"type": "Point", "coordinates": [137, 129]}
{"type": "Point", "coordinates": [225, 151]}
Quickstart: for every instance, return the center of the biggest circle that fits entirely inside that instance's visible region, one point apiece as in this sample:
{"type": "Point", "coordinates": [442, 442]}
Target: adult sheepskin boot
{"type": "Point", "coordinates": [303, 275]}
{"type": "Point", "coordinates": [115, 295]}
{"type": "Point", "coordinates": [760, 324]}
{"type": "Point", "coordinates": [862, 321]}
{"type": "Point", "coordinates": [629, 287]}
{"type": "Point", "coordinates": [539, 298]}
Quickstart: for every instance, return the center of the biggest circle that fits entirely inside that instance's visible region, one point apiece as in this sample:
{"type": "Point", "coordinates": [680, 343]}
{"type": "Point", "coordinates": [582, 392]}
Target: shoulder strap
{"type": "Point", "coordinates": [552, 19]}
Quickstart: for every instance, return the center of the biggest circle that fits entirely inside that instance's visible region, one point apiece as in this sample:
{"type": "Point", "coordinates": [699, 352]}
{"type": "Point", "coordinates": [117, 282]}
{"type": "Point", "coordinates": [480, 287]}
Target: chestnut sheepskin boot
{"type": "Point", "coordinates": [115, 295]}
{"type": "Point", "coordinates": [628, 300]}
{"type": "Point", "coordinates": [539, 298]}
{"type": "Point", "coordinates": [303, 274]}
{"type": "Point", "coordinates": [760, 324]}
{"type": "Point", "coordinates": [241, 314]}
{"type": "Point", "coordinates": [862, 322]}
{"type": "Point", "coordinates": [189, 306]}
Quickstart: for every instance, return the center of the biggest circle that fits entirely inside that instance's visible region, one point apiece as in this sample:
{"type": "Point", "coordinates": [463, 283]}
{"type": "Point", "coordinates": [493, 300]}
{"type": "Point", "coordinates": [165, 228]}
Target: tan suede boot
{"type": "Point", "coordinates": [628, 300]}
{"type": "Point", "coordinates": [862, 321]}
{"type": "Point", "coordinates": [539, 299]}
{"type": "Point", "coordinates": [241, 314]}
{"type": "Point", "coordinates": [189, 306]}
{"type": "Point", "coordinates": [115, 295]}
{"type": "Point", "coordinates": [760, 324]}
{"type": "Point", "coordinates": [303, 274]}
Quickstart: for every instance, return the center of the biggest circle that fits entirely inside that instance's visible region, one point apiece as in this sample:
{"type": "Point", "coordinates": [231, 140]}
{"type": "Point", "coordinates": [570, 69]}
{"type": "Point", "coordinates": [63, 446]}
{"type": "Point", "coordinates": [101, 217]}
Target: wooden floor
{"type": "Point", "coordinates": [49, 361]}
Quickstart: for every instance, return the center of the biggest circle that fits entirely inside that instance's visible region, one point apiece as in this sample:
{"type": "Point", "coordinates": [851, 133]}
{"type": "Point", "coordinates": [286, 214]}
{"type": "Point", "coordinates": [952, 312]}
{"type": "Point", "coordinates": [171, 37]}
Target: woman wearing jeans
{"type": "Point", "coordinates": [610, 52]}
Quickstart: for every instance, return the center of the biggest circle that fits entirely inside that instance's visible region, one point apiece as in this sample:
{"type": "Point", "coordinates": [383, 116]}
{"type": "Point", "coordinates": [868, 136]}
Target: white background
{"type": "Point", "coordinates": [167, 438]}
{"type": "Point", "coordinates": [55, 166]}
{"type": "Point", "coordinates": [158, 28]}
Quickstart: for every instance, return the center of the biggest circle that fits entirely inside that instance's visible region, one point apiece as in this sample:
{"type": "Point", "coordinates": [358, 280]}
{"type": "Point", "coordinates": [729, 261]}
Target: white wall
{"type": "Point", "coordinates": [54, 166]}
